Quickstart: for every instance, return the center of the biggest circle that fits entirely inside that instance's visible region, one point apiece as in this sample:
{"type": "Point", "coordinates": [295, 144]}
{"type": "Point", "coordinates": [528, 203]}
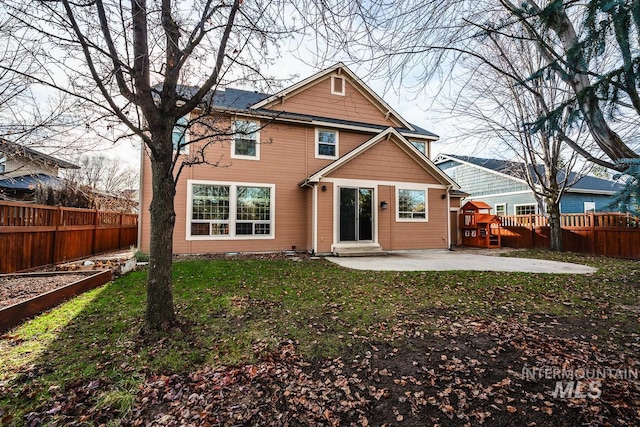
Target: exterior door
{"type": "Point", "coordinates": [356, 214]}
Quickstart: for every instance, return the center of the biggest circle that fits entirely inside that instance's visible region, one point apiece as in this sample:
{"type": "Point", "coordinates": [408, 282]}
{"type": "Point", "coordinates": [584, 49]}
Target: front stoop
{"type": "Point", "coordinates": [358, 249]}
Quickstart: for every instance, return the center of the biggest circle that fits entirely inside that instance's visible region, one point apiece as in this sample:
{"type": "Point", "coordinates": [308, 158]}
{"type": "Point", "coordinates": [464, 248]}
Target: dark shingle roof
{"type": "Point", "coordinates": [516, 170]}
{"type": "Point", "coordinates": [242, 100]}
{"type": "Point", "coordinates": [30, 182]}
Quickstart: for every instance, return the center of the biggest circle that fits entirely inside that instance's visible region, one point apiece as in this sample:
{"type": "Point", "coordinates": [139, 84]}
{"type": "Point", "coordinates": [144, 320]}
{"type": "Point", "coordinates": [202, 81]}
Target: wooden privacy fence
{"type": "Point", "coordinates": [609, 234]}
{"type": "Point", "coordinates": [37, 235]}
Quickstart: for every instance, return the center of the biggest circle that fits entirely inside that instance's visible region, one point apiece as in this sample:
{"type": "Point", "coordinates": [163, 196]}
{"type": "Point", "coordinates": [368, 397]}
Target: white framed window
{"type": "Point", "coordinates": [501, 209]}
{"type": "Point", "coordinates": [180, 135]}
{"type": "Point", "coordinates": [589, 207]}
{"type": "Point", "coordinates": [421, 146]}
{"type": "Point", "coordinates": [246, 140]}
{"type": "Point", "coordinates": [411, 204]}
{"type": "Point", "coordinates": [528, 209]}
{"type": "Point", "coordinates": [327, 144]}
{"type": "Point", "coordinates": [337, 85]}
{"type": "Point", "coordinates": [229, 210]}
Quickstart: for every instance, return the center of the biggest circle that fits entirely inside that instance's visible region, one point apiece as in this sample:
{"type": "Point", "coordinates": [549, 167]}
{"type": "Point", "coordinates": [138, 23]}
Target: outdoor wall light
{"type": "Point", "coordinates": [324, 188]}
{"type": "Point", "coordinates": [444, 196]}
{"type": "Point", "coordinates": [383, 205]}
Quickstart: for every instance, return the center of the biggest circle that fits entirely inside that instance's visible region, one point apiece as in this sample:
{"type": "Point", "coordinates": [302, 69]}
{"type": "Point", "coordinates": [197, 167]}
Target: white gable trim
{"type": "Point", "coordinates": [420, 158]}
{"type": "Point", "coordinates": [322, 75]}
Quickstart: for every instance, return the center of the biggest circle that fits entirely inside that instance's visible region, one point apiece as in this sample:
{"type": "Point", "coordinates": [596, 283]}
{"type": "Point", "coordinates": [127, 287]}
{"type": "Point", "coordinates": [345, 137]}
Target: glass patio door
{"type": "Point", "coordinates": [356, 214]}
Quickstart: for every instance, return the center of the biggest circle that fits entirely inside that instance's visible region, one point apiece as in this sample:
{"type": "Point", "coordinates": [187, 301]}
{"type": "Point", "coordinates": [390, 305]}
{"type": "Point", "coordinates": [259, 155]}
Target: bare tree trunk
{"type": "Point", "coordinates": [160, 314]}
{"type": "Point", "coordinates": [555, 229]}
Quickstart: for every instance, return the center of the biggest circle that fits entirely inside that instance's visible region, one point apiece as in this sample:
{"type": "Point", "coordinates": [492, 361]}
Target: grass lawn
{"type": "Point", "coordinates": [275, 341]}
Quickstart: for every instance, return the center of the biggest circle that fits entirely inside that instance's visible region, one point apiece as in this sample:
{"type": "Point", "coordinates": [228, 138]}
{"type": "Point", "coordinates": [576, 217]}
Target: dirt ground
{"type": "Point", "coordinates": [15, 289]}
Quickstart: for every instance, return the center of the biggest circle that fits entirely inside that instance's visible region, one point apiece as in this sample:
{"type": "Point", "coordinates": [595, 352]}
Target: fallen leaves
{"type": "Point", "coordinates": [469, 375]}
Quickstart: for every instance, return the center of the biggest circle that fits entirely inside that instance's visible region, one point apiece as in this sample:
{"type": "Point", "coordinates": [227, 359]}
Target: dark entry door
{"type": "Point", "coordinates": [356, 214]}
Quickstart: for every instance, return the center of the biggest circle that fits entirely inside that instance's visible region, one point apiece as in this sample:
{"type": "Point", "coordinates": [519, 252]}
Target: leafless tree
{"type": "Point", "coordinates": [508, 107]}
{"type": "Point", "coordinates": [30, 115]}
{"type": "Point", "coordinates": [592, 47]}
{"type": "Point", "coordinates": [104, 173]}
{"type": "Point", "coordinates": [146, 65]}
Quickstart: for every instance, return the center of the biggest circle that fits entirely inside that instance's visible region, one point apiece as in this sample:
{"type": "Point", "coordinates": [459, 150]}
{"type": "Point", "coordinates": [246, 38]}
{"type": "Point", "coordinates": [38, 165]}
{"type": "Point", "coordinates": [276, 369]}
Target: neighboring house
{"type": "Point", "coordinates": [322, 166]}
{"type": "Point", "coordinates": [22, 169]}
{"type": "Point", "coordinates": [497, 183]}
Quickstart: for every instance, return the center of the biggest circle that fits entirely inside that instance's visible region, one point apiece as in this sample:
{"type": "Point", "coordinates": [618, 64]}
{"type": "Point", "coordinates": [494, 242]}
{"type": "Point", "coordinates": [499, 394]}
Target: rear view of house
{"type": "Point", "coordinates": [324, 166]}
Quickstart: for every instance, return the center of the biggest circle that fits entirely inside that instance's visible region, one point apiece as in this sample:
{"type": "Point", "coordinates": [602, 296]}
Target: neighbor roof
{"type": "Point", "coordinates": [11, 148]}
{"type": "Point", "coordinates": [30, 182]}
{"type": "Point", "coordinates": [585, 183]}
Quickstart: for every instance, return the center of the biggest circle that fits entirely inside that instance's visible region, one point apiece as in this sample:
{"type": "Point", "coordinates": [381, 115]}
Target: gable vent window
{"type": "Point", "coordinates": [337, 85]}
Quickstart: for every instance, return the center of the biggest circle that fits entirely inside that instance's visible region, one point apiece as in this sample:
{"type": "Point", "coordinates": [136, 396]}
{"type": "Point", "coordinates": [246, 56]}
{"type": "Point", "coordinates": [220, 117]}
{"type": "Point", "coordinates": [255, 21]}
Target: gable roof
{"type": "Point", "coordinates": [420, 158]}
{"type": "Point", "coordinates": [12, 149]}
{"type": "Point", "coordinates": [241, 101]}
{"type": "Point", "coordinates": [510, 169]}
{"type": "Point", "coordinates": [355, 80]}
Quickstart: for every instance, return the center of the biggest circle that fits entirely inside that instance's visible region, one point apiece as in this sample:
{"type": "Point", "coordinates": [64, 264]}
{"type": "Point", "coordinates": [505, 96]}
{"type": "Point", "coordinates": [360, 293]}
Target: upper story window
{"type": "Point", "coordinates": [246, 140]}
{"type": "Point", "coordinates": [421, 146]}
{"type": "Point", "coordinates": [326, 143]}
{"type": "Point", "coordinates": [337, 85]}
{"type": "Point", "coordinates": [180, 136]}
{"type": "Point", "coordinates": [412, 204]}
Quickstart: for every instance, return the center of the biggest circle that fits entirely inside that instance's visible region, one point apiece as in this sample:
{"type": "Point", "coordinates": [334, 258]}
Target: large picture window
{"type": "Point", "coordinates": [412, 204]}
{"type": "Point", "coordinates": [230, 210]}
{"type": "Point", "coordinates": [326, 143]}
{"type": "Point", "coordinates": [246, 140]}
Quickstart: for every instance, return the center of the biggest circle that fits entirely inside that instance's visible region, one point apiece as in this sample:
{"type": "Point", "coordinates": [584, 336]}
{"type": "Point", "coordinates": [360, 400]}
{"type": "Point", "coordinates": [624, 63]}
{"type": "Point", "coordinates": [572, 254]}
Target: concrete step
{"type": "Point", "coordinates": [358, 250]}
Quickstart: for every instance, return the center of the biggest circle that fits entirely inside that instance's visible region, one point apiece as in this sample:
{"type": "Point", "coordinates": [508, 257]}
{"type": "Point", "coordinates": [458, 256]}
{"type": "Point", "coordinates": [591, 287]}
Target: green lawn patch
{"type": "Point", "coordinates": [235, 311]}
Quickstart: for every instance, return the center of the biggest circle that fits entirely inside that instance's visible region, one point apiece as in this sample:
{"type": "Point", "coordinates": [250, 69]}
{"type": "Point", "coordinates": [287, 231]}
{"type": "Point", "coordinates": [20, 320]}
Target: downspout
{"type": "Point", "coordinates": [314, 221]}
{"type": "Point", "coordinates": [449, 216]}
{"type": "Point", "coordinates": [140, 194]}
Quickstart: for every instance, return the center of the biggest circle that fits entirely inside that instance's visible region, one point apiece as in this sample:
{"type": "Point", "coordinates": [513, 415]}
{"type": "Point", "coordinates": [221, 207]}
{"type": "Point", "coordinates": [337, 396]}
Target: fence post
{"type": "Point", "coordinates": [56, 223]}
{"type": "Point", "coordinates": [120, 233]}
{"type": "Point", "coordinates": [95, 231]}
{"type": "Point", "coordinates": [532, 231]}
{"type": "Point", "coordinates": [593, 233]}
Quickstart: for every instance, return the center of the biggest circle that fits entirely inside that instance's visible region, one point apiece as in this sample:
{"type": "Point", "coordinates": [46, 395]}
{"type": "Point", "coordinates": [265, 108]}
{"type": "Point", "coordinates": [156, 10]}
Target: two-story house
{"type": "Point", "coordinates": [324, 166]}
{"type": "Point", "coordinates": [501, 184]}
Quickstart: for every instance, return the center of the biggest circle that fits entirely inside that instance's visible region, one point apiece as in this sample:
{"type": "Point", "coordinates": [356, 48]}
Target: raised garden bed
{"type": "Point", "coordinates": [27, 294]}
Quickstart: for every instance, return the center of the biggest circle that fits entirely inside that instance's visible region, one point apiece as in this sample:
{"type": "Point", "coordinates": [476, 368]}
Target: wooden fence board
{"type": "Point", "coordinates": [608, 234]}
{"type": "Point", "coordinates": [36, 235]}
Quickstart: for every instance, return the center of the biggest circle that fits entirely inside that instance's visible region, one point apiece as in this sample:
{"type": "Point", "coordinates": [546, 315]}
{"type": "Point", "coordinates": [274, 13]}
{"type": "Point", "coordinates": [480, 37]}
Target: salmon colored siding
{"type": "Point", "coordinates": [325, 218]}
{"type": "Point", "coordinates": [317, 100]}
{"type": "Point", "coordinates": [385, 162]}
{"type": "Point", "coordinates": [387, 217]}
{"type": "Point", "coordinates": [423, 235]}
